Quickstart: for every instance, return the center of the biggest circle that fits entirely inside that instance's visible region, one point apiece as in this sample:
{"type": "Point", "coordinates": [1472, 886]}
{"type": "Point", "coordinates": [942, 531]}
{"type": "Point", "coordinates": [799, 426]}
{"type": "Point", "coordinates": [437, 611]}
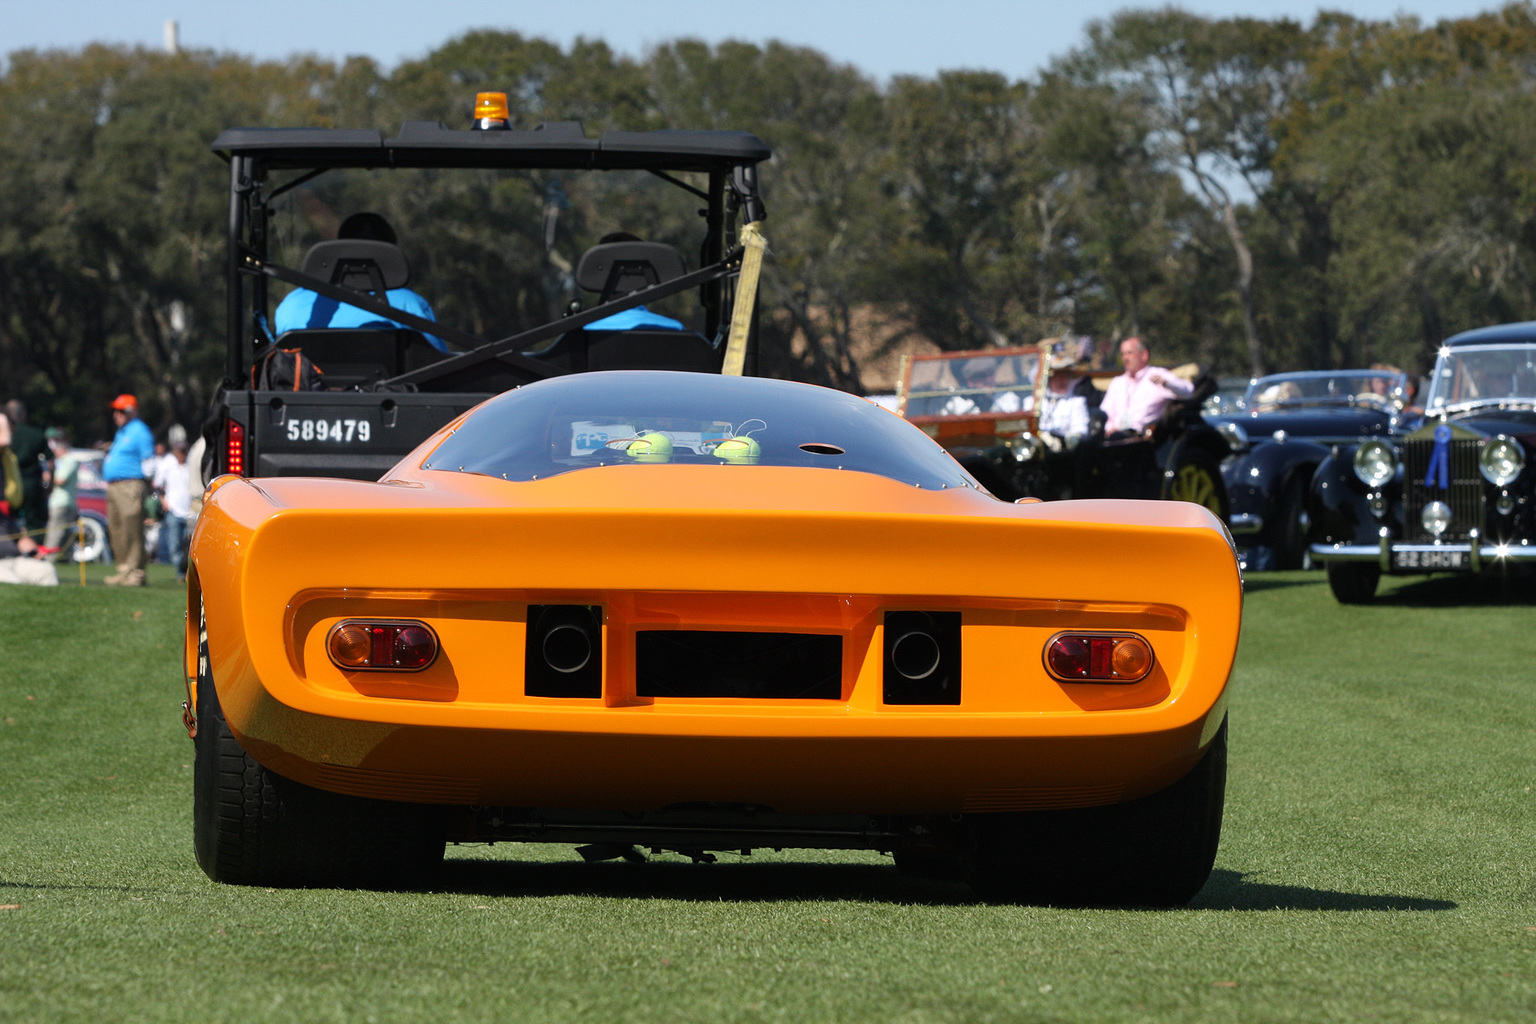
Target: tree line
{"type": "Point", "coordinates": [1254, 195]}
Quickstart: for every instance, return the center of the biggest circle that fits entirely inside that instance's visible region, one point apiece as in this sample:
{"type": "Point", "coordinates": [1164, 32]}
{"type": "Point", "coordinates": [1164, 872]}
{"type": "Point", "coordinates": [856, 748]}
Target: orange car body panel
{"type": "Point", "coordinates": [277, 562]}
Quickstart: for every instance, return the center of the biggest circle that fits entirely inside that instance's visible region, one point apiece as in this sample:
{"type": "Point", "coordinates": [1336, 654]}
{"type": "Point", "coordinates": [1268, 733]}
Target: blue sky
{"type": "Point", "coordinates": [882, 37]}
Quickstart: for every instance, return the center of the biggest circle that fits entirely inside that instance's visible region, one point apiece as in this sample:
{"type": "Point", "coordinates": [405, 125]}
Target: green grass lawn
{"type": "Point", "coordinates": [1378, 863]}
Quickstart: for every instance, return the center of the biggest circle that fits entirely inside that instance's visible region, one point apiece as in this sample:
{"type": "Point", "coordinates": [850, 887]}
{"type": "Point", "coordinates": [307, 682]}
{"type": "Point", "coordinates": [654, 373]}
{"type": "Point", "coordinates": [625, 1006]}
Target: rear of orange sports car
{"type": "Point", "coordinates": [699, 657]}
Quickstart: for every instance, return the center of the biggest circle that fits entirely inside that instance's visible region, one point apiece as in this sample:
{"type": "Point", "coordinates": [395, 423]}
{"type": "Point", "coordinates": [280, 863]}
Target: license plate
{"type": "Point", "coordinates": [332, 430]}
{"type": "Point", "coordinates": [1429, 559]}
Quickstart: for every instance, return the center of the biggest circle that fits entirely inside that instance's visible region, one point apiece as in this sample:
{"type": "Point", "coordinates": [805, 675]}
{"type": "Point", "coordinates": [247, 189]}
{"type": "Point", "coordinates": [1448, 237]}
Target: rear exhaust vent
{"type": "Point", "coordinates": [922, 657]}
{"type": "Point", "coordinates": [765, 666]}
{"type": "Point", "coordinates": [564, 654]}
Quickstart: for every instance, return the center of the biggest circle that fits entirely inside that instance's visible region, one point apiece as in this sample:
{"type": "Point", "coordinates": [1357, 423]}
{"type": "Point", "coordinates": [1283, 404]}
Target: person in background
{"type": "Point", "coordinates": [19, 561]}
{"type": "Point", "coordinates": [10, 476]}
{"type": "Point", "coordinates": [133, 446]}
{"type": "Point", "coordinates": [302, 308]}
{"type": "Point", "coordinates": [62, 506]}
{"type": "Point", "coordinates": [1065, 416]}
{"type": "Point", "coordinates": [154, 513]}
{"type": "Point", "coordinates": [30, 447]}
{"type": "Point", "coordinates": [1136, 398]}
{"type": "Point", "coordinates": [172, 484]}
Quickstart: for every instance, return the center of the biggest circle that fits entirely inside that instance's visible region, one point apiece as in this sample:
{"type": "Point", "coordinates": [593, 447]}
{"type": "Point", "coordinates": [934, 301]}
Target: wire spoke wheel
{"type": "Point", "coordinates": [1193, 482]}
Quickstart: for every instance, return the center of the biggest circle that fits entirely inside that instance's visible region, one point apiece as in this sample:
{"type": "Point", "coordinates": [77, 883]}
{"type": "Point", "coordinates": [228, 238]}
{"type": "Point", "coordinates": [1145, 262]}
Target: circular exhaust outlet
{"type": "Point", "coordinates": [567, 648]}
{"type": "Point", "coordinates": [915, 655]}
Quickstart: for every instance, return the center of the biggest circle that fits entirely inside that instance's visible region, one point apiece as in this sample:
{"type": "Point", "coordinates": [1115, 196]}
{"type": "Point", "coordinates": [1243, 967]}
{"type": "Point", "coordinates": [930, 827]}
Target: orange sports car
{"type": "Point", "coordinates": [676, 611]}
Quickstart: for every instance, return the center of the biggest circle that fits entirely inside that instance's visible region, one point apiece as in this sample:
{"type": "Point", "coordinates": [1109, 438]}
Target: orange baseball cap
{"type": "Point", "coordinates": [125, 402]}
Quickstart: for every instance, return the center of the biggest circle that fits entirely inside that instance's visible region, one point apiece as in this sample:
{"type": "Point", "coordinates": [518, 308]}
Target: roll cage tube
{"type": "Point", "coordinates": [732, 189]}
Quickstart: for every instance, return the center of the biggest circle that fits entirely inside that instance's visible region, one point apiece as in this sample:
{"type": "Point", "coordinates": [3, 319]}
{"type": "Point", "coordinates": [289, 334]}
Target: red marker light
{"type": "Point", "coordinates": [234, 448]}
{"type": "Point", "coordinates": [1098, 657]}
{"type": "Point", "coordinates": [382, 645]}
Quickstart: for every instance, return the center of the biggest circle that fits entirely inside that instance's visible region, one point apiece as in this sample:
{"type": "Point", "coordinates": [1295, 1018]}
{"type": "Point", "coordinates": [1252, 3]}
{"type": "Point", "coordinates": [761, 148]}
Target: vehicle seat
{"type": "Point", "coordinates": [613, 271]}
{"type": "Point", "coordinates": [618, 268]}
{"type": "Point", "coordinates": [359, 356]}
{"type": "Point", "coordinates": [359, 263]}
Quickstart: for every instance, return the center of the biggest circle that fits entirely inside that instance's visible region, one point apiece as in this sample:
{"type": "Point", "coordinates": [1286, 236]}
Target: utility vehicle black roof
{"type": "Point", "coordinates": [562, 145]}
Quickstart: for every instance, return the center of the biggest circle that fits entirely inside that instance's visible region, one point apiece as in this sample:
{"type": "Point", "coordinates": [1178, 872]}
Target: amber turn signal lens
{"type": "Point", "coordinates": [350, 645]}
{"type": "Point", "coordinates": [1098, 657]}
{"type": "Point", "coordinates": [1132, 658]}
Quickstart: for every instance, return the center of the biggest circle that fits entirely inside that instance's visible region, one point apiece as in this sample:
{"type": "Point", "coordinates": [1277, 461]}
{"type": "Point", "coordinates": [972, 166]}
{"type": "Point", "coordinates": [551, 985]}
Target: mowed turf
{"type": "Point", "coordinates": [1377, 863]}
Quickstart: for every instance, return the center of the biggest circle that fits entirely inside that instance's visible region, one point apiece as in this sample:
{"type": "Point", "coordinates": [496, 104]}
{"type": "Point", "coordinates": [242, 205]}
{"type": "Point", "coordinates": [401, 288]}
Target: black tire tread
{"type": "Point", "coordinates": [1157, 851]}
{"type": "Point", "coordinates": [252, 826]}
{"type": "Point", "coordinates": [1353, 582]}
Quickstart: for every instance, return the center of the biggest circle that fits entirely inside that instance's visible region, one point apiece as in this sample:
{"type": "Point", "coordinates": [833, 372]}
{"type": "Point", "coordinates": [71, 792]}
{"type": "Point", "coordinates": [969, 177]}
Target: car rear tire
{"type": "Point", "coordinates": [1353, 582]}
{"type": "Point", "coordinates": [1154, 852]}
{"type": "Point", "coordinates": [251, 826]}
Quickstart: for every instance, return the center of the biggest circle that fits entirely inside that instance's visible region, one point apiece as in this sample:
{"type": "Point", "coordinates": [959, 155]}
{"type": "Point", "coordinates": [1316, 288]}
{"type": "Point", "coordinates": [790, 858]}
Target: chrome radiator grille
{"type": "Point", "coordinates": [1465, 496]}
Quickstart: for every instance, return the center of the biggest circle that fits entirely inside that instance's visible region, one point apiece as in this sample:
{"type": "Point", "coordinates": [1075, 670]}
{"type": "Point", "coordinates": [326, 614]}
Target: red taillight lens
{"type": "Point", "coordinates": [393, 646]}
{"type": "Point", "coordinates": [1098, 657]}
{"type": "Point", "coordinates": [415, 647]}
{"type": "Point", "coordinates": [234, 448]}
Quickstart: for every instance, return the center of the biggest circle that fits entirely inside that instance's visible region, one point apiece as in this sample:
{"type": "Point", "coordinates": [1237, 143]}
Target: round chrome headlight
{"type": "Point", "coordinates": [1501, 460]}
{"type": "Point", "coordinates": [1436, 518]}
{"type": "Point", "coordinates": [1375, 463]}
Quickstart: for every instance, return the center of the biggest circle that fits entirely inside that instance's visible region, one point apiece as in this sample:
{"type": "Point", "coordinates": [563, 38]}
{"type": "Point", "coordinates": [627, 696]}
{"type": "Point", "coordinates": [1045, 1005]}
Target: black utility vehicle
{"type": "Point", "coordinates": [381, 391]}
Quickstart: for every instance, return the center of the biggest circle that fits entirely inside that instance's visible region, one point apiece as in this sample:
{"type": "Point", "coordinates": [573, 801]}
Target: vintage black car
{"type": "Point", "coordinates": [1452, 495]}
{"type": "Point", "coordinates": [995, 411]}
{"type": "Point", "coordinates": [1285, 426]}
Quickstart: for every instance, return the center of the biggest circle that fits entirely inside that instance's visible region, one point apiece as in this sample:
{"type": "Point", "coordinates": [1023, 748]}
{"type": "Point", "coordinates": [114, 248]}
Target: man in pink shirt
{"type": "Point", "coordinates": [1136, 397]}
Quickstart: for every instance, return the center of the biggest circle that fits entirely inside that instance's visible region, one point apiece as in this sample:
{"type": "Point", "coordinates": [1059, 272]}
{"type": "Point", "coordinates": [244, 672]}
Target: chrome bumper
{"type": "Point", "coordinates": [1384, 553]}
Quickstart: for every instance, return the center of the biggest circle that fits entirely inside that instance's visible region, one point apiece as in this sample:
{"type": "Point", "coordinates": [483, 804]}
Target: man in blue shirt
{"type": "Point", "coordinates": [123, 470]}
{"type": "Point", "coordinates": [304, 308]}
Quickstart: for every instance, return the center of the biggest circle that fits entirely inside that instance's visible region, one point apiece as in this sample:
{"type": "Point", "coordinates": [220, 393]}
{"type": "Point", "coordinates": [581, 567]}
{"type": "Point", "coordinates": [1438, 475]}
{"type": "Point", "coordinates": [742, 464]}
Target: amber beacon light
{"type": "Point", "coordinates": [1098, 657]}
{"type": "Point", "coordinates": [491, 112]}
{"type": "Point", "coordinates": [394, 646]}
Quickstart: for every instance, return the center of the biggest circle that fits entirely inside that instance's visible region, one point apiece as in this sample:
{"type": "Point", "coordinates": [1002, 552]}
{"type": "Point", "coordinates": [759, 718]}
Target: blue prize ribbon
{"type": "Point", "coordinates": [1439, 473]}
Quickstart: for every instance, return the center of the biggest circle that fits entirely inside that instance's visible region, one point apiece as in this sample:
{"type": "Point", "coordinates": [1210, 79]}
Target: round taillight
{"type": "Point", "coordinates": [415, 647]}
{"type": "Point", "coordinates": [382, 646]}
{"type": "Point", "coordinates": [1098, 657]}
{"type": "Point", "coordinates": [350, 645]}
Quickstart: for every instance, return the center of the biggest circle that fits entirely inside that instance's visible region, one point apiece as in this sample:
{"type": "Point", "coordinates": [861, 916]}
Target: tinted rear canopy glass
{"type": "Point", "coordinates": [642, 417]}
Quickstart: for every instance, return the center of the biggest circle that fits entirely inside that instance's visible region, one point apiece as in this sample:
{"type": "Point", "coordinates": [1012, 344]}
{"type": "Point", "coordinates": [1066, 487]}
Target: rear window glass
{"type": "Point", "coordinates": [636, 417]}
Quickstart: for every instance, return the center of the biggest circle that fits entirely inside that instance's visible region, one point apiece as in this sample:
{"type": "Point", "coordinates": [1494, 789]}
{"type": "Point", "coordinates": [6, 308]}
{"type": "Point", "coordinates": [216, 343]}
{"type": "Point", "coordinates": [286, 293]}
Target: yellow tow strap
{"type": "Point", "coordinates": [754, 243]}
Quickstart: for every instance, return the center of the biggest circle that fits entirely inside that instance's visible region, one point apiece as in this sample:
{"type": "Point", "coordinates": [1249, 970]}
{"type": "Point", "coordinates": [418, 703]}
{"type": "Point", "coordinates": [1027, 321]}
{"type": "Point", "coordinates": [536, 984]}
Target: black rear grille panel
{"type": "Point", "coordinates": [764, 666]}
{"type": "Point", "coordinates": [1465, 496]}
{"type": "Point", "coordinates": [932, 677]}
